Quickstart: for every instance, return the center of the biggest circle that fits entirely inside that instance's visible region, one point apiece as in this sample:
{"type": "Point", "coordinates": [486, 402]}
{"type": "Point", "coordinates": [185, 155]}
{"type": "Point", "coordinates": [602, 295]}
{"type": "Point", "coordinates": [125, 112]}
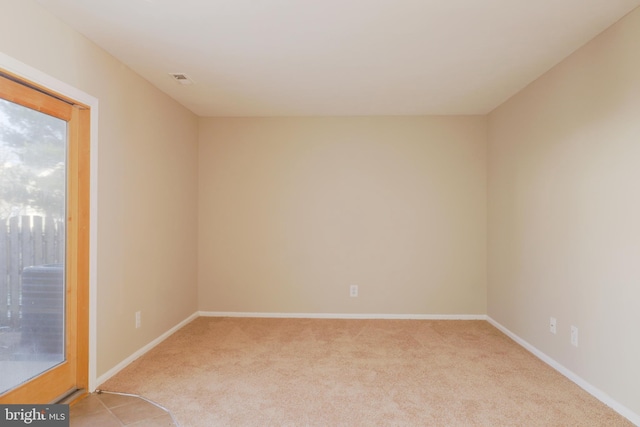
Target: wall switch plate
{"type": "Point", "coordinates": [552, 325]}
{"type": "Point", "coordinates": [574, 336]}
{"type": "Point", "coordinates": [138, 319]}
{"type": "Point", "coordinates": [353, 290]}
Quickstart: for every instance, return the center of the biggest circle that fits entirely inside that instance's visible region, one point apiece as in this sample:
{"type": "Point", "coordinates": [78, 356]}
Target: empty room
{"type": "Point", "coordinates": [283, 212]}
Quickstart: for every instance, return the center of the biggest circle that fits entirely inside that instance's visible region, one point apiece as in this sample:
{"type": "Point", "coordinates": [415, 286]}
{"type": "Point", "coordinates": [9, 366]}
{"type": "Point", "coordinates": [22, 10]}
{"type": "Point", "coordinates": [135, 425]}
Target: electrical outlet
{"type": "Point", "coordinates": [552, 325]}
{"type": "Point", "coordinates": [353, 290]}
{"type": "Point", "coordinates": [574, 336]}
{"type": "Point", "coordinates": [138, 319]}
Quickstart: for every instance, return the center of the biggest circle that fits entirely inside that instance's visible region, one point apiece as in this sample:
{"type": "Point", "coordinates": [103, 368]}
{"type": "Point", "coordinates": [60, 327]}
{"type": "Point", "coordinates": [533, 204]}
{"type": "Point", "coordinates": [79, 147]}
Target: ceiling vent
{"type": "Point", "coordinates": [181, 78]}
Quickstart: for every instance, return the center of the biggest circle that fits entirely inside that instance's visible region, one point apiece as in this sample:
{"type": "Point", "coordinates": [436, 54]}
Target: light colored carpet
{"type": "Point", "coordinates": [317, 372]}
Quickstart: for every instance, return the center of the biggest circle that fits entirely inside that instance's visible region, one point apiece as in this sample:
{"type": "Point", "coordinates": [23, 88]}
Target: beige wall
{"type": "Point", "coordinates": [564, 212]}
{"type": "Point", "coordinates": [147, 182]}
{"type": "Point", "coordinates": [294, 210]}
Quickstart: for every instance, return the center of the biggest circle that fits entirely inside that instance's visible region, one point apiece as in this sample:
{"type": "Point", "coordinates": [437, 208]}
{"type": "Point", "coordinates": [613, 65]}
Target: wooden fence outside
{"type": "Point", "coordinates": [25, 241]}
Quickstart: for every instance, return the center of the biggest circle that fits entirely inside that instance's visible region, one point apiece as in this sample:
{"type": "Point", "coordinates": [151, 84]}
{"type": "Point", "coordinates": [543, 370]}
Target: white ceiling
{"type": "Point", "coordinates": [340, 57]}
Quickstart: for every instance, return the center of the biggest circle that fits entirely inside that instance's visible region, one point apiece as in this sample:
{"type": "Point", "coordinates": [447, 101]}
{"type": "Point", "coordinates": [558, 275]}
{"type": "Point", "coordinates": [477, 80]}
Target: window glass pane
{"type": "Point", "coordinates": [32, 243]}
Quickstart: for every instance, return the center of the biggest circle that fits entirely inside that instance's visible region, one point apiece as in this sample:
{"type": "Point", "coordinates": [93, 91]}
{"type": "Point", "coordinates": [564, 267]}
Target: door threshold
{"type": "Point", "coordinates": [71, 397]}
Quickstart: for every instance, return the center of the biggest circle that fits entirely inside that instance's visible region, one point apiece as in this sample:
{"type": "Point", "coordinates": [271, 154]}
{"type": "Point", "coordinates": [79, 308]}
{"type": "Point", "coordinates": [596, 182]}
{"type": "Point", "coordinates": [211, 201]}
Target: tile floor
{"type": "Point", "coordinates": [116, 410]}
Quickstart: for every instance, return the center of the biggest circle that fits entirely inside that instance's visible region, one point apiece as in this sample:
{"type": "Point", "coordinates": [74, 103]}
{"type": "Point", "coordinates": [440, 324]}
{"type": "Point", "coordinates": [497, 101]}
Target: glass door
{"type": "Point", "coordinates": [38, 245]}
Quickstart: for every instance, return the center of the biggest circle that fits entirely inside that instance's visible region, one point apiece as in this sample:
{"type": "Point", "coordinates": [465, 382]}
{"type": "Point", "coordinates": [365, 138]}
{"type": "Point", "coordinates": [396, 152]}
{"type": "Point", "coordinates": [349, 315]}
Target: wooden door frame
{"type": "Point", "coordinates": [71, 374]}
{"type": "Point", "coordinates": [87, 369]}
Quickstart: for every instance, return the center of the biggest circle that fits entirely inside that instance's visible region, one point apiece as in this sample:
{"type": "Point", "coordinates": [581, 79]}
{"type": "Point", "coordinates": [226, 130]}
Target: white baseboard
{"type": "Point", "coordinates": [589, 388]}
{"type": "Point", "coordinates": [344, 315]}
{"type": "Point", "coordinates": [120, 366]}
{"type": "Point", "coordinates": [594, 391]}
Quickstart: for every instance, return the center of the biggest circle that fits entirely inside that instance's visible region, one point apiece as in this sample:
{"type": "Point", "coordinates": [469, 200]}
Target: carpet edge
{"type": "Point", "coordinates": [576, 379]}
{"type": "Point", "coordinates": [140, 352]}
